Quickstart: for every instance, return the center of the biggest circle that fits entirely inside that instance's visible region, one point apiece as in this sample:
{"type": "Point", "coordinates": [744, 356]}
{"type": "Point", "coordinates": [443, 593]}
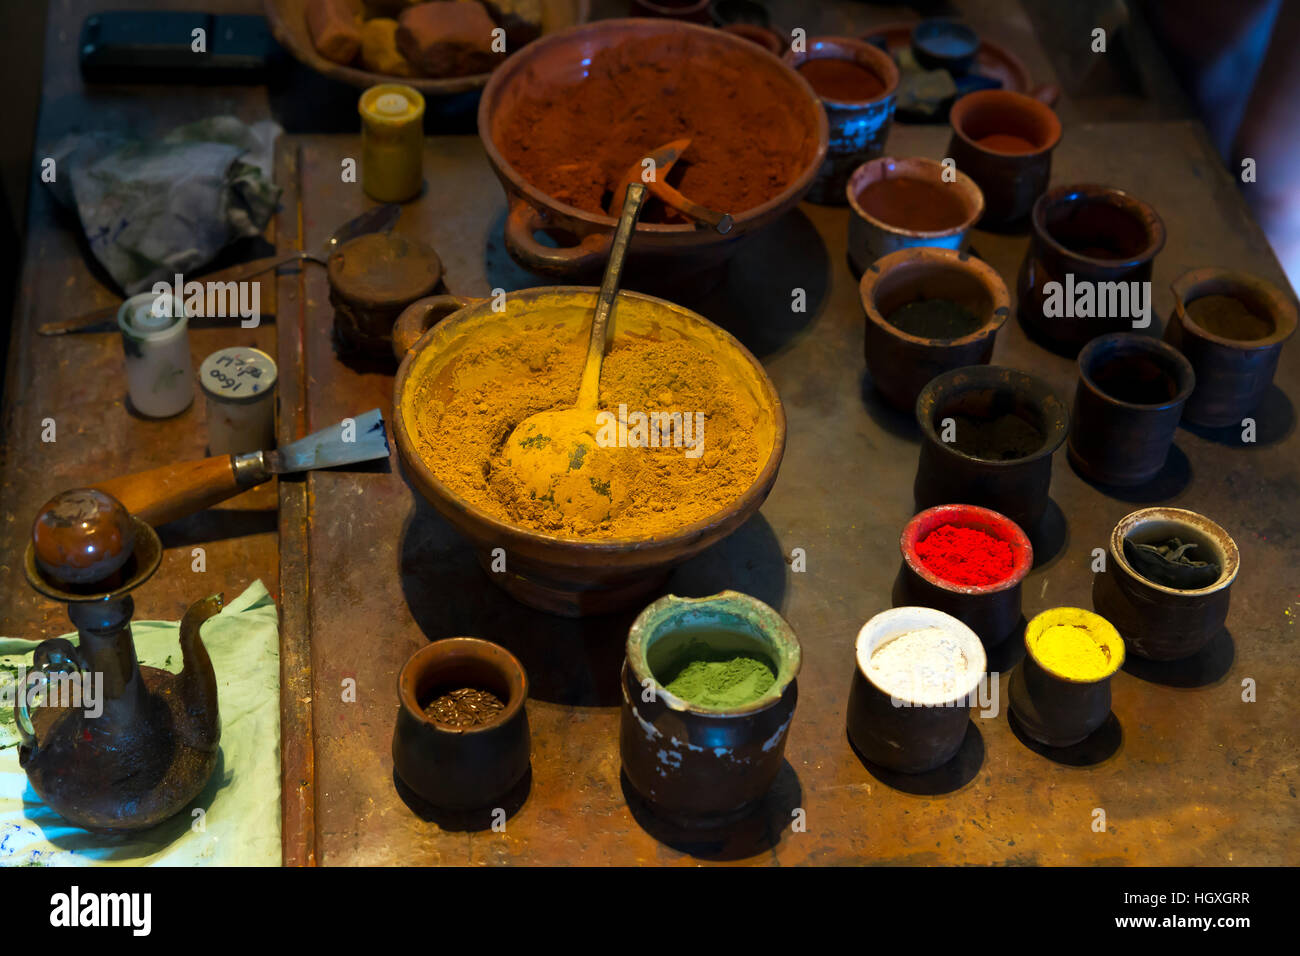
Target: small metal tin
{"type": "Point", "coordinates": [156, 342]}
{"type": "Point", "coordinates": [239, 385]}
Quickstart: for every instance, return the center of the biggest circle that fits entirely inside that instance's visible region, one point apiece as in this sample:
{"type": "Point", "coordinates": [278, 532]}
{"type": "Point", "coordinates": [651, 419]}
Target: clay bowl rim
{"type": "Point", "coordinates": [673, 11]}
{"type": "Point", "coordinates": [763, 36]}
{"type": "Point", "coordinates": [881, 62]}
{"type": "Point", "coordinates": [937, 24]}
{"type": "Point", "coordinates": [748, 503]}
{"type": "Point", "coordinates": [968, 516]}
{"type": "Point", "coordinates": [936, 618]}
{"type": "Point", "coordinates": [1118, 642]}
{"type": "Point", "coordinates": [1188, 518]}
{"type": "Point", "coordinates": [299, 45]}
{"type": "Point", "coordinates": [1058, 427]}
{"type": "Point", "coordinates": [543, 201]}
{"type": "Point", "coordinates": [1139, 209]}
{"type": "Point", "coordinates": [851, 189]}
{"type": "Point", "coordinates": [957, 113]}
{"type": "Point", "coordinates": [146, 557]}
{"type": "Point", "coordinates": [1283, 307]}
{"type": "Point", "coordinates": [491, 654]}
{"type": "Point", "coordinates": [960, 261]}
{"type": "Point", "coordinates": [1133, 342]}
{"type": "Point", "coordinates": [643, 628]}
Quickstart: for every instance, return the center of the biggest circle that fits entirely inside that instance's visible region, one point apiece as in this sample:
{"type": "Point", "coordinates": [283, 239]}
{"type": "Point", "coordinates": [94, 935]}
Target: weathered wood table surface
{"type": "Point", "coordinates": [1186, 771]}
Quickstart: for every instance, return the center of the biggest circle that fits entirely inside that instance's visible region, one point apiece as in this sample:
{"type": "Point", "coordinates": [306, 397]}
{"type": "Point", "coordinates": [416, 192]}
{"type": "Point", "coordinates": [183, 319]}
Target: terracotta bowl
{"type": "Point", "coordinates": [288, 19]}
{"type": "Point", "coordinates": [663, 256]}
{"type": "Point", "coordinates": [564, 575]}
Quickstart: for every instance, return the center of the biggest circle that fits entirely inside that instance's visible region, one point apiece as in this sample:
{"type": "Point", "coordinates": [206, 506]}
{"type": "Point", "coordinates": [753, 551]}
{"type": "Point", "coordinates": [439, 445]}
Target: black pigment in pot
{"type": "Point", "coordinates": [463, 706]}
{"type": "Point", "coordinates": [996, 438]}
{"type": "Point", "coordinates": [935, 319]}
{"type": "Point", "coordinates": [1172, 563]}
{"type": "Point", "coordinates": [1135, 379]}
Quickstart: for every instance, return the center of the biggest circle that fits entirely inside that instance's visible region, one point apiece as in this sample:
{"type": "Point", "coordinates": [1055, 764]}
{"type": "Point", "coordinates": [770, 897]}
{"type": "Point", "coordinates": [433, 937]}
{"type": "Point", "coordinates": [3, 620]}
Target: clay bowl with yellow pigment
{"type": "Point", "coordinates": [441, 341]}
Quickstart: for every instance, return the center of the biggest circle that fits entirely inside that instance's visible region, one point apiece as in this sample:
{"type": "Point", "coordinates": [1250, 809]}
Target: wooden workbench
{"type": "Point", "coordinates": [366, 572]}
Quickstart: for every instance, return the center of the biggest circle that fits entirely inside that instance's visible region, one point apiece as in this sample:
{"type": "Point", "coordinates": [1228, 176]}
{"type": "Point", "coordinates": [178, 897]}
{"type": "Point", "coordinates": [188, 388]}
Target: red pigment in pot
{"type": "Point", "coordinates": [1006, 143]}
{"type": "Point", "coordinates": [842, 80]}
{"type": "Point", "coordinates": [575, 141]}
{"type": "Point", "coordinates": [916, 204]}
{"type": "Point", "coordinates": [965, 556]}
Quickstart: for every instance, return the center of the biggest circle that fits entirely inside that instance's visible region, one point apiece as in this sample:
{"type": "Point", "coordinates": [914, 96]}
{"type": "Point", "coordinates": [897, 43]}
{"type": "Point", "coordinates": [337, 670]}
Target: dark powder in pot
{"type": "Point", "coordinates": [935, 319]}
{"type": "Point", "coordinates": [999, 438]}
{"type": "Point", "coordinates": [1229, 317]}
{"type": "Point", "coordinates": [1136, 380]}
{"type": "Point", "coordinates": [576, 140]}
{"type": "Point", "coordinates": [842, 80]}
{"type": "Point", "coordinates": [1006, 143]}
{"type": "Point", "coordinates": [916, 204]}
{"type": "Point", "coordinates": [464, 707]}
{"type": "Point", "coordinates": [1171, 563]}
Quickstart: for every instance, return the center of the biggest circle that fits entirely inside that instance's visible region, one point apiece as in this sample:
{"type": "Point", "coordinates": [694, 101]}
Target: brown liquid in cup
{"type": "Point", "coordinates": [916, 204]}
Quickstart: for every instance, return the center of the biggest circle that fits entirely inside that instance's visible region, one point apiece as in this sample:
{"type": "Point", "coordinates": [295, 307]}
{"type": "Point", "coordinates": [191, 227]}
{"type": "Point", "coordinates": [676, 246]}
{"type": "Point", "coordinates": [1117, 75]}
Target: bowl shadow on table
{"type": "Point", "coordinates": [569, 661]}
{"type": "Point", "coordinates": [892, 420]}
{"type": "Point", "coordinates": [1098, 747]}
{"type": "Point", "coordinates": [948, 778]}
{"type": "Point", "coordinates": [756, 833]}
{"type": "Point", "coordinates": [466, 821]}
{"type": "Point", "coordinates": [1207, 666]}
{"type": "Point", "coordinates": [126, 846]}
{"type": "Point", "coordinates": [1171, 481]}
{"type": "Point", "coordinates": [1049, 537]}
{"type": "Point", "coordinates": [217, 524]}
{"type": "Point", "coordinates": [1274, 421]}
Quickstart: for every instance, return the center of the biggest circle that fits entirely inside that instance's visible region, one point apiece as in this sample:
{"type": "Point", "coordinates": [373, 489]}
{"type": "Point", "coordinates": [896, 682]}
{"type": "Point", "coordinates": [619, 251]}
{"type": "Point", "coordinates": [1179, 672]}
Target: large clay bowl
{"type": "Point", "coordinates": [663, 257]}
{"type": "Point", "coordinates": [570, 576]}
{"type": "Point", "coordinates": [288, 19]}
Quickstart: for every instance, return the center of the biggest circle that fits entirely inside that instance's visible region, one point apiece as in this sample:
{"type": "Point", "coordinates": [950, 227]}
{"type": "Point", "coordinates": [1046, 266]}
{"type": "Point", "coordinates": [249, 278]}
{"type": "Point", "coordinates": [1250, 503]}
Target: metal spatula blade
{"type": "Point", "coordinates": [362, 438]}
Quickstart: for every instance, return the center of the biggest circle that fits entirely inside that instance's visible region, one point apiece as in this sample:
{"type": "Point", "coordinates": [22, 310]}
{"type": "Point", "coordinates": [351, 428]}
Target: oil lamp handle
{"type": "Point", "coordinates": [58, 655]}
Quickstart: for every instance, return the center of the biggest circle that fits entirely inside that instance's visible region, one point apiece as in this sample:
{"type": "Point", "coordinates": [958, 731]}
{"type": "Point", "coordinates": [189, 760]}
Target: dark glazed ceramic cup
{"type": "Point", "coordinates": [697, 765]}
{"type": "Point", "coordinates": [1053, 709]}
{"type": "Point", "coordinates": [1085, 234]}
{"type": "Point", "coordinates": [1126, 408]}
{"type": "Point", "coordinates": [858, 129]}
{"type": "Point", "coordinates": [1162, 623]}
{"type": "Point", "coordinates": [1016, 487]}
{"type": "Point", "coordinates": [870, 237]}
{"type": "Point", "coordinates": [902, 364]}
{"type": "Point", "coordinates": [1011, 182]}
{"type": "Point", "coordinates": [992, 611]}
{"type": "Point", "coordinates": [943, 44]}
{"type": "Point", "coordinates": [1232, 375]}
{"type": "Point", "coordinates": [911, 729]}
{"type": "Point", "coordinates": [461, 768]}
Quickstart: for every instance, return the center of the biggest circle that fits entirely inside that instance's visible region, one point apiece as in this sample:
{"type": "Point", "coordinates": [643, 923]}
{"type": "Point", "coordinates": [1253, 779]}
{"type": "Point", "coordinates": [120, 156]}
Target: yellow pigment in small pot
{"type": "Point", "coordinates": [1075, 644]}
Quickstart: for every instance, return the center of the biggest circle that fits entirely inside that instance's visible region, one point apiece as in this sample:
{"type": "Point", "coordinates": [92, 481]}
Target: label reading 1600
{"type": "Point", "coordinates": [241, 373]}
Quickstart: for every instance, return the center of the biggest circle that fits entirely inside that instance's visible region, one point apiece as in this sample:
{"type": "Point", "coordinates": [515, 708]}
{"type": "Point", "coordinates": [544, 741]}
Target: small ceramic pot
{"type": "Point", "coordinates": [912, 726]}
{"type": "Point", "coordinates": [902, 364]}
{"type": "Point", "coordinates": [373, 278]}
{"type": "Point", "coordinates": [1232, 374]}
{"type": "Point", "coordinates": [769, 40]}
{"type": "Point", "coordinates": [1086, 235]}
{"type": "Point", "coordinates": [693, 764]}
{"type": "Point", "coordinates": [858, 130]}
{"type": "Point", "coordinates": [1157, 622]}
{"type": "Point", "coordinates": [943, 44]}
{"type": "Point", "coordinates": [992, 611]}
{"type": "Point", "coordinates": [1011, 181]}
{"type": "Point", "coordinates": [1016, 487]}
{"type": "Point", "coordinates": [1126, 407]}
{"type": "Point", "coordinates": [461, 768]}
{"type": "Point", "coordinates": [871, 237]}
{"type": "Point", "coordinates": [1055, 709]}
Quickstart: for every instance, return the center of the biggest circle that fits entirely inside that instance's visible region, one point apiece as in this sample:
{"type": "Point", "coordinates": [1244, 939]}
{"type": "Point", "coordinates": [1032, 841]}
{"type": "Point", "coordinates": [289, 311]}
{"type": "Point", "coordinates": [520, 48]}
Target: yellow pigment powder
{"type": "Point", "coordinates": [464, 417]}
{"type": "Point", "coordinates": [1076, 644]}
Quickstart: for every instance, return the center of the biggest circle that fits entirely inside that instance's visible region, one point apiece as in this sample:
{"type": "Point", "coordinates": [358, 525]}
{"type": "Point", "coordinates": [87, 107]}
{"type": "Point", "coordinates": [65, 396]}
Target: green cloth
{"type": "Point", "coordinates": [242, 800]}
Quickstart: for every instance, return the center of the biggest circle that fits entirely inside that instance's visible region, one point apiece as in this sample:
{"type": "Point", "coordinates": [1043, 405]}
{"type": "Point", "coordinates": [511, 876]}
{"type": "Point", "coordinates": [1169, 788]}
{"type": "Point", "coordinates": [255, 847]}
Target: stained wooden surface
{"type": "Point", "coordinates": [365, 572]}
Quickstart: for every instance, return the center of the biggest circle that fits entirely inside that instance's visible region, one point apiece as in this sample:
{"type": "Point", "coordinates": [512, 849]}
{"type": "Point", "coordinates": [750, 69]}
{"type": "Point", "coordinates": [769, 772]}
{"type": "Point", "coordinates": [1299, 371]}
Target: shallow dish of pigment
{"type": "Point", "coordinates": [288, 20]}
{"type": "Point", "coordinates": [564, 120]}
{"type": "Point", "coordinates": [468, 381]}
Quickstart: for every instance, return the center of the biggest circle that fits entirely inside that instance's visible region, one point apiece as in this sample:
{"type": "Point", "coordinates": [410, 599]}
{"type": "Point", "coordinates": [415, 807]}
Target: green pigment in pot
{"type": "Point", "coordinates": [1000, 438]}
{"type": "Point", "coordinates": [935, 319]}
{"type": "Point", "coordinates": [723, 682]}
{"type": "Point", "coordinates": [1228, 317]}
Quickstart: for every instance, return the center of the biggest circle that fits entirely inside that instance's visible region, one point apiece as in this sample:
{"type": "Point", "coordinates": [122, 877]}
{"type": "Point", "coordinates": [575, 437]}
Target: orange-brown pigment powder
{"type": "Point", "coordinates": [490, 388]}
